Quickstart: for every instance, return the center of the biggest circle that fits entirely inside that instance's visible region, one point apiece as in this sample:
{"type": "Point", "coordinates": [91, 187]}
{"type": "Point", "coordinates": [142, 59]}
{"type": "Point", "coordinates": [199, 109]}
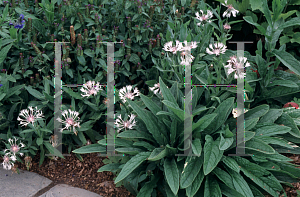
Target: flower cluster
{"type": "Point", "coordinates": [125, 92]}
{"type": "Point", "coordinates": [185, 60]}
{"type": "Point", "coordinates": [71, 120]}
{"type": "Point", "coordinates": [10, 154]}
{"type": "Point", "coordinates": [229, 10]}
{"type": "Point", "coordinates": [217, 49]}
{"type": "Point", "coordinates": [20, 22]}
{"type": "Point", "coordinates": [121, 124]}
{"type": "Point", "coordinates": [90, 89]}
{"type": "Point", "coordinates": [237, 65]}
{"type": "Point", "coordinates": [30, 117]}
{"type": "Point", "coordinates": [204, 17]}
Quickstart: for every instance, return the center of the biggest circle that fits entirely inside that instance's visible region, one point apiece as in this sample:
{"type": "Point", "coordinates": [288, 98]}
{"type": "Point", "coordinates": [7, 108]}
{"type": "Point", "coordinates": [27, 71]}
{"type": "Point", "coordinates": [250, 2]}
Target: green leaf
{"type": "Point", "coordinates": [260, 176]}
{"type": "Point", "coordinates": [196, 147]}
{"type": "Point", "coordinates": [288, 60]}
{"type": "Point", "coordinates": [227, 191]}
{"type": "Point", "coordinates": [134, 58]}
{"type": "Point", "coordinates": [212, 154]}
{"type": "Point", "coordinates": [194, 187]}
{"type": "Point", "coordinates": [203, 122]}
{"type": "Point", "coordinates": [231, 163]}
{"type": "Point", "coordinates": [262, 156]}
{"type": "Point", "coordinates": [157, 154]}
{"type": "Point", "coordinates": [132, 164]}
{"type": "Point", "coordinates": [144, 144]}
{"type": "Point", "coordinates": [223, 111]}
{"type": "Point", "coordinates": [288, 121]}
{"type": "Point", "coordinates": [225, 143]}
{"type": "Point", "coordinates": [267, 13]}
{"type": "Point", "coordinates": [109, 167]}
{"type": "Point", "coordinates": [147, 189]}
{"type": "Point", "coordinates": [34, 92]}
{"type": "Point", "coordinates": [292, 22]}
{"type": "Point", "coordinates": [75, 95]}
{"type": "Point", "coordinates": [257, 112]}
{"type": "Point", "coordinates": [39, 141]}
{"type": "Point", "coordinates": [272, 130]}
{"type": "Point", "coordinates": [190, 171]}
{"type": "Point", "coordinates": [270, 116]}
{"type": "Point", "coordinates": [211, 187]}
{"type": "Point", "coordinates": [249, 19]}
{"type": "Point", "coordinates": [3, 52]}
{"type": "Point", "coordinates": [174, 108]}
{"type": "Point", "coordinates": [93, 148]}
{"type": "Point", "coordinates": [129, 150]}
{"type": "Point", "coordinates": [256, 5]}
{"type": "Point", "coordinates": [150, 120]}
{"type": "Point", "coordinates": [259, 145]}
{"type": "Point", "coordinates": [250, 123]}
{"type": "Point", "coordinates": [136, 134]}
{"type": "Point", "coordinates": [274, 140]}
{"type": "Point", "coordinates": [166, 92]}
{"type": "Point", "coordinates": [224, 176]}
{"type": "Point", "coordinates": [53, 150]}
{"type": "Point", "coordinates": [172, 174]}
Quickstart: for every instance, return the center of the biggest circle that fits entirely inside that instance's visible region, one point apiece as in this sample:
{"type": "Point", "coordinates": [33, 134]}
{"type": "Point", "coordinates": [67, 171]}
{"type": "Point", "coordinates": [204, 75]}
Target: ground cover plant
{"type": "Point", "coordinates": [149, 91]}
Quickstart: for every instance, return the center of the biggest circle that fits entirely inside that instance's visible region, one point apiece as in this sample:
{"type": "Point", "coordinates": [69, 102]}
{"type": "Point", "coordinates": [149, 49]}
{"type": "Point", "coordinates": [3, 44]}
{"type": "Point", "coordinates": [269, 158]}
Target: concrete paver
{"type": "Point", "coordinates": [27, 184]}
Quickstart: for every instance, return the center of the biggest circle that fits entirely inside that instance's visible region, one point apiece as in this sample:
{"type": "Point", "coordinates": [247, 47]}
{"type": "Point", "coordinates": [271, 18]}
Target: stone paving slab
{"type": "Point", "coordinates": [63, 190]}
{"type": "Point", "coordinates": [25, 184]}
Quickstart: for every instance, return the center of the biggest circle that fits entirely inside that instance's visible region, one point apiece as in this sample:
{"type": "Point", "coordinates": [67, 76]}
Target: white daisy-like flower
{"type": "Point", "coordinates": [185, 59]}
{"type": "Point", "coordinates": [169, 47]}
{"type": "Point", "coordinates": [204, 17]}
{"type": "Point", "coordinates": [90, 88]}
{"type": "Point", "coordinates": [71, 120]}
{"type": "Point", "coordinates": [29, 117]}
{"type": "Point", "coordinates": [121, 124]}
{"type": "Point", "coordinates": [229, 10]}
{"type": "Point", "coordinates": [234, 112]}
{"type": "Point", "coordinates": [226, 26]}
{"type": "Point", "coordinates": [217, 49]}
{"type": "Point", "coordinates": [125, 92]}
{"type": "Point", "coordinates": [7, 164]}
{"type": "Point", "coordinates": [237, 65]}
{"type": "Point", "coordinates": [188, 48]}
{"type": "Point", "coordinates": [156, 88]}
{"type": "Point", "coordinates": [14, 147]}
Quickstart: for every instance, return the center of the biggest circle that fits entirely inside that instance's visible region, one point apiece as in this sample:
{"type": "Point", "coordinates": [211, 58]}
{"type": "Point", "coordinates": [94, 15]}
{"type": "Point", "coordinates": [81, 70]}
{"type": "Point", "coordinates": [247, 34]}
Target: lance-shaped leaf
{"type": "Point", "coordinates": [190, 171]}
{"type": "Point", "coordinates": [167, 93]}
{"type": "Point", "coordinates": [259, 145]}
{"type": "Point", "coordinates": [172, 174]}
{"type": "Point", "coordinates": [157, 154]}
{"type": "Point", "coordinates": [288, 60]}
{"type": "Point", "coordinates": [150, 120]}
{"type": "Point", "coordinates": [194, 187]}
{"type": "Point", "coordinates": [211, 187]}
{"type": "Point", "coordinates": [260, 176]}
{"type": "Point", "coordinates": [272, 130]}
{"type": "Point", "coordinates": [290, 123]}
{"type": "Point", "coordinates": [136, 134]}
{"type": "Point", "coordinates": [93, 148]}
{"type": "Point", "coordinates": [176, 110]}
{"type": "Point", "coordinates": [132, 164]}
{"type": "Point", "coordinates": [212, 154]}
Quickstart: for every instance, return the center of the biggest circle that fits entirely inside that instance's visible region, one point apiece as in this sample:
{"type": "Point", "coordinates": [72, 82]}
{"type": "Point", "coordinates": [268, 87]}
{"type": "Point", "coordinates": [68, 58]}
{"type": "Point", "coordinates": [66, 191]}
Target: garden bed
{"type": "Point", "coordinates": [84, 174]}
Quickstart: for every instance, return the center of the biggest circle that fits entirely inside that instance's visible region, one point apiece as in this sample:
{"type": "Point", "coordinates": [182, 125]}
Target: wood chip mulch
{"type": "Point", "coordinates": [72, 172]}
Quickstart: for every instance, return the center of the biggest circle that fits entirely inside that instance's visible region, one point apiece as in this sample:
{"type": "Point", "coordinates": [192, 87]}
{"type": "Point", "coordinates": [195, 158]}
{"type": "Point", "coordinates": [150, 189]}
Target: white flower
{"type": "Point", "coordinates": [237, 66]}
{"type": "Point", "coordinates": [186, 47]}
{"type": "Point", "coordinates": [121, 124]}
{"type": "Point", "coordinates": [155, 89]}
{"type": "Point", "coordinates": [229, 10]}
{"type": "Point", "coordinates": [185, 59]}
{"type": "Point", "coordinates": [7, 164]}
{"type": "Point", "coordinates": [217, 50]}
{"type": "Point", "coordinates": [169, 47]}
{"type": "Point", "coordinates": [90, 89]}
{"type": "Point", "coordinates": [203, 18]}
{"type": "Point", "coordinates": [234, 112]}
{"type": "Point", "coordinates": [226, 26]}
{"type": "Point", "coordinates": [71, 119]}
{"type": "Point", "coordinates": [29, 117]}
{"type": "Point", "coordinates": [14, 148]}
{"type": "Point", "coordinates": [125, 92]}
